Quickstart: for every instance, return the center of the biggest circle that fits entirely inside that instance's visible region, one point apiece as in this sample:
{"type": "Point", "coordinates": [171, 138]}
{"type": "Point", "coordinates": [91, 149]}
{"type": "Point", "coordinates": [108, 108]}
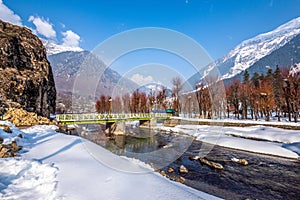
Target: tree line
{"type": "Point", "coordinates": [252, 97]}
{"type": "Point", "coordinates": [140, 102]}
{"type": "Point", "coordinates": [261, 95]}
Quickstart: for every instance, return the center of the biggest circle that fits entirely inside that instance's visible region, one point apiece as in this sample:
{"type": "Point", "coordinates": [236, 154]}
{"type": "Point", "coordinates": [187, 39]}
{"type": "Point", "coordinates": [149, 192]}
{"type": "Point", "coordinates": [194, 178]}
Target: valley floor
{"type": "Point", "coordinates": [57, 166]}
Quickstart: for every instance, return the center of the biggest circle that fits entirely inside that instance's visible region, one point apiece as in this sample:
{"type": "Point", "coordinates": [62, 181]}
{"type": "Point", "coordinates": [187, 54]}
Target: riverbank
{"type": "Point", "coordinates": [284, 124]}
{"type": "Point", "coordinates": [265, 177]}
{"type": "Point", "coordinates": [261, 139]}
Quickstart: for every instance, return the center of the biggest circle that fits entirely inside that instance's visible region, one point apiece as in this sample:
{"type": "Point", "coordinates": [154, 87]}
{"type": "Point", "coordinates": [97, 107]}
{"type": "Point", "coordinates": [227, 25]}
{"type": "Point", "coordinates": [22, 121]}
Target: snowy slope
{"type": "Point", "coordinates": [295, 69]}
{"type": "Point", "coordinates": [58, 166]}
{"type": "Point", "coordinates": [53, 48]}
{"type": "Point", "coordinates": [155, 88]}
{"type": "Point", "coordinates": [250, 51]}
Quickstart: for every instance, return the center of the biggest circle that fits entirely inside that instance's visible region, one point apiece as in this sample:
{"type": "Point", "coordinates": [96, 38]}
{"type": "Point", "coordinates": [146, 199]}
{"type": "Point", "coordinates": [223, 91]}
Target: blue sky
{"type": "Point", "coordinates": [217, 25]}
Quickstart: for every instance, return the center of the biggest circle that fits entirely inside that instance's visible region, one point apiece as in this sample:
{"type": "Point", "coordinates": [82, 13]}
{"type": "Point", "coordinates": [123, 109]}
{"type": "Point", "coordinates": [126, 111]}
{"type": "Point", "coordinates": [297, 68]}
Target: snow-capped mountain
{"type": "Point", "coordinates": [53, 48]}
{"type": "Point", "coordinates": [154, 88]}
{"type": "Point", "coordinates": [255, 49]}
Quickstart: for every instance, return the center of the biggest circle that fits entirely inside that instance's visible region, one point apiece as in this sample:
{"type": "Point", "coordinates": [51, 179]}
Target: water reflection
{"type": "Point", "coordinates": [149, 146]}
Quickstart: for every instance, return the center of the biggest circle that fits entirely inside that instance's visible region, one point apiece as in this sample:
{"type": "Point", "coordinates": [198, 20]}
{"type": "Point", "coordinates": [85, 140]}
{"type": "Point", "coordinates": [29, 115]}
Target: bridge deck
{"type": "Point", "coordinates": [95, 118]}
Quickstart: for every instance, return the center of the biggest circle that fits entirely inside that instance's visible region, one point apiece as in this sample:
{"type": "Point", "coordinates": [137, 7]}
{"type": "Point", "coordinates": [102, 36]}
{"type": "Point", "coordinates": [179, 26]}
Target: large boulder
{"type": "Point", "coordinates": [26, 79]}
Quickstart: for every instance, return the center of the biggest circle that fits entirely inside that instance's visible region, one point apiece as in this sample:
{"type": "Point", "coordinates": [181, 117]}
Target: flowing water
{"type": "Point", "coordinates": [265, 177]}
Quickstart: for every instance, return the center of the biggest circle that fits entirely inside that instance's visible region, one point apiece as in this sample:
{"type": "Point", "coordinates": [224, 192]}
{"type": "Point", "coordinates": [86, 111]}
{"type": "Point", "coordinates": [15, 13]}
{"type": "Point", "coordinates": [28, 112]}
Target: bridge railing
{"type": "Point", "coordinates": [112, 116]}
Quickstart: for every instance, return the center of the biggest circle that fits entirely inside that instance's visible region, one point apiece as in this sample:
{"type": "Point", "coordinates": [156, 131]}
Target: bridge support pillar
{"type": "Point", "coordinates": [153, 122]}
{"type": "Point", "coordinates": [148, 123]}
{"type": "Point", "coordinates": [144, 123]}
{"type": "Point", "coordinates": [115, 128]}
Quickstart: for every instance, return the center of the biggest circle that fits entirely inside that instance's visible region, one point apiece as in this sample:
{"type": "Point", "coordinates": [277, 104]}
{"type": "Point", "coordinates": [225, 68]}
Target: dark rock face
{"type": "Point", "coordinates": [26, 79]}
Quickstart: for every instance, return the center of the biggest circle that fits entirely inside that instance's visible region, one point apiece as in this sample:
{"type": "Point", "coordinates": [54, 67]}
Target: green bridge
{"type": "Point", "coordinates": [94, 118]}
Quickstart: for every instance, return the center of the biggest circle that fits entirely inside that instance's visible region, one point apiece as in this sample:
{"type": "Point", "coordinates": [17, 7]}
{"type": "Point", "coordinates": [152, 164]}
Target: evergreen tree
{"type": "Point", "coordinates": [255, 79]}
{"type": "Point", "coordinates": [270, 75]}
{"type": "Point", "coordinates": [277, 82]}
{"type": "Point", "coordinates": [246, 77]}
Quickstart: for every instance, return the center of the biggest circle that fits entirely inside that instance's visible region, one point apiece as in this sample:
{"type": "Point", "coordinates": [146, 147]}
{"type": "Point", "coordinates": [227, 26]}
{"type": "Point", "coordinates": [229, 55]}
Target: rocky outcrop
{"type": "Point", "coordinates": [20, 117]}
{"type": "Point", "coordinates": [26, 79]}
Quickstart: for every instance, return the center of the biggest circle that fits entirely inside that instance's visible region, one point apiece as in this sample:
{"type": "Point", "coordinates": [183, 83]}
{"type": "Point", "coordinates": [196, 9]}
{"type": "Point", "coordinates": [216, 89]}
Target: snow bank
{"type": "Point", "coordinates": [9, 137]}
{"type": "Point", "coordinates": [244, 121]}
{"type": "Point", "coordinates": [293, 147]}
{"type": "Point", "coordinates": [264, 133]}
{"type": "Point", "coordinates": [241, 138]}
{"type": "Point", "coordinates": [24, 179]}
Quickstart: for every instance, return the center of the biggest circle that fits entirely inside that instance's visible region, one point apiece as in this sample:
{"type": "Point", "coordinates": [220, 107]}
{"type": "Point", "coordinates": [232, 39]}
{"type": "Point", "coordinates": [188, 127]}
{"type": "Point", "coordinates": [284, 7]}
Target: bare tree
{"type": "Point", "coordinates": [126, 103]}
{"type": "Point", "coordinates": [177, 87]}
{"type": "Point", "coordinates": [143, 103]}
{"type": "Point", "coordinates": [234, 96]}
{"type": "Point", "coordinates": [101, 106]}
{"type": "Point", "coordinates": [267, 102]}
{"type": "Point", "coordinates": [117, 105]}
{"type": "Point", "coordinates": [161, 98]}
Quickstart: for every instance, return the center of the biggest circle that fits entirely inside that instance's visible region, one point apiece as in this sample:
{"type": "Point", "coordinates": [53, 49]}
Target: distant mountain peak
{"type": "Point", "coordinates": [290, 28]}
{"type": "Point", "coordinates": [53, 48]}
{"type": "Point", "coordinates": [280, 46]}
{"type": "Point", "coordinates": [252, 50]}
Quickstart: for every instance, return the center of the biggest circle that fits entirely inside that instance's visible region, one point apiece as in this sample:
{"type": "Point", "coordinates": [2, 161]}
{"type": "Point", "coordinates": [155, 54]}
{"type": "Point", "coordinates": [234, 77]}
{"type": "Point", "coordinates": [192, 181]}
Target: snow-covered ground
{"type": "Point", "coordinates": [258, 139]}
{"type": "Point", "coordinates": [57, 166]}
{"type": "Point", "coordinates": [261, 121]}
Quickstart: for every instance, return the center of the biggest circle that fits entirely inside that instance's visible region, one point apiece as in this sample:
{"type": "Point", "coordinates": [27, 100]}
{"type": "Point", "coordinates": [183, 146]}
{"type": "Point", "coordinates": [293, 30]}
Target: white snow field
{"type": "Point", "coordinates": [257, 139]}
{"type": "Point", "coordinates": [59, 166]}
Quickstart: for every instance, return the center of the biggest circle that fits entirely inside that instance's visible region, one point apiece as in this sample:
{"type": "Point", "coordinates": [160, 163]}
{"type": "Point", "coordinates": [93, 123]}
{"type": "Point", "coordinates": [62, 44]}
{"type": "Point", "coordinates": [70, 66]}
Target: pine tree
{"type": "Point", "coordinates": [246, 77]}
{"type": "Point", "coordinates": [255, 79]}
{"type": "Point", "coordinates": [270, 75]}
{"type": "Point", "coordinates": [277, 82]}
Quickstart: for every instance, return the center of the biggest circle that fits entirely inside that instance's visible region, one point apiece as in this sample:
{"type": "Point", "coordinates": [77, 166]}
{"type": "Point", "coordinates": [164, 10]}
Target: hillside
{"type": "Point", "coordinates": [70, 68]}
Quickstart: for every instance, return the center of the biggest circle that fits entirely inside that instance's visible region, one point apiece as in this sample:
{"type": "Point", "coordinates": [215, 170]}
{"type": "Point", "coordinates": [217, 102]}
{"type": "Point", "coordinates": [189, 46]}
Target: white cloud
{"type": "Point", "coordinates": [70, 39]}
{"type": "Point", "coordinates": [43, 27]}
{"type": "Point", "coordinates": [8, 15]}
{"type": "Point", "coordinates": [63, 25]}
{"type": "Point", "coordinates": [141, 80]}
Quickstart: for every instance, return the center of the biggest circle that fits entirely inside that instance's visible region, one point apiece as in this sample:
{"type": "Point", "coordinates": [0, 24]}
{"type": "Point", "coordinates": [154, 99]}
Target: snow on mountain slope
{"type": "Point", "coordinates": [295, 69]}
{"type": "Point", "coordinates": [252, 50]}
{"type": "Point", "coordinates": [154, 88]}
{"type": "Point", "coordinates": [53, 48]}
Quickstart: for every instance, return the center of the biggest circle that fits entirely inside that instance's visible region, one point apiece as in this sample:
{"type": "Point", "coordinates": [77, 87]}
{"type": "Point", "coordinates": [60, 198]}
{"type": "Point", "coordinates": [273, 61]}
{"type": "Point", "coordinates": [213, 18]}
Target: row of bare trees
{"type": "Point", "coordinates": [140, 102]}
{"type": "Point", "coordinates": [137, 102]}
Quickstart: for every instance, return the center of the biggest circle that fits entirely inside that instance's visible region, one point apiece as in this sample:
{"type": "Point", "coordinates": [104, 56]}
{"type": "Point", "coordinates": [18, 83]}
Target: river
{"type": "Point", "coordinates": [265, 177]}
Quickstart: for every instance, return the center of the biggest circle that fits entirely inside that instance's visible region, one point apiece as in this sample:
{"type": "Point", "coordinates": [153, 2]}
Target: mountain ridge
{"type": "Point", "coordinates": [69, 66]}
{"type": "Point", "coordinates": [250, 51]}
{"type": "Point", "coordinates": [257, 53]}
{"type": "Point", "coordinates": [53, 48]}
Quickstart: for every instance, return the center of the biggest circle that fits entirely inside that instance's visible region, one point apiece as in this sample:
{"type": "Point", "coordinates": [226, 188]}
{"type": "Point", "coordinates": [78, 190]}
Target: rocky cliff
{"type": "Point", "coordinates": [26, 79]}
